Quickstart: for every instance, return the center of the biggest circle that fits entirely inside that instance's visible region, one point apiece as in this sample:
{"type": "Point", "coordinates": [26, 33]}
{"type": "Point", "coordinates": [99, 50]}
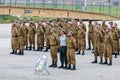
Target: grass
{"type": "Point", "coordinates": [115, 10]}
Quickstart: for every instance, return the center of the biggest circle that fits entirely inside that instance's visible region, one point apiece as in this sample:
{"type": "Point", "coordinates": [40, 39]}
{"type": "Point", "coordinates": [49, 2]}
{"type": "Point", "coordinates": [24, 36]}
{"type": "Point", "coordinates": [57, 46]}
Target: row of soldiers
{"type": "Point", "coordinates": [105, 40]}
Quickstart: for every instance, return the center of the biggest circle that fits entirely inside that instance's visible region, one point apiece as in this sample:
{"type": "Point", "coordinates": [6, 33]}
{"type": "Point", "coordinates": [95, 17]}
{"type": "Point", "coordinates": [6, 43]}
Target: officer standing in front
{"type": "Point", "coordinates": [63, 49]}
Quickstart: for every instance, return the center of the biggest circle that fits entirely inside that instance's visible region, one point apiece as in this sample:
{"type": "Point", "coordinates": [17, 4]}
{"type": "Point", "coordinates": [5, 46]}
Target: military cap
{"type": "Point", "coordinates": [71, 32]}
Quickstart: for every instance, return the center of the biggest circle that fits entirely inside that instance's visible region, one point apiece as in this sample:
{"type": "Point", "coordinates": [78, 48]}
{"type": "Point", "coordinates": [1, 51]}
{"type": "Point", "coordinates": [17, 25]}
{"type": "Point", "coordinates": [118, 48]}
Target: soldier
{"type": "Point", "coordinates": [90, 35]}
{"type": "Point", "coordinates": [98, 46]}
{"type": "Point", "coordinates": [14, 39]}
{"type": "Point", "coordinates": [20, 39]}
{"type": "Point", "coordinates": [115, 37]}
{"type": "Point", "coordinates": [81, 40]}
{"type": "Point", "coordinates": [31, 36]}
{"type": "Point", "coordinates": [104, 26]}
{"type": "Point", "coordinates": [108, 47]}
{"type": "Point", "coordinates": [54, 42]}
{"type": "Point", "coordinates": [25, 35]}
{"type": "Point", "coordinates": [47, 36]}
{"type": "Point", "coordinates": [71, 47]}
{"type": "Point", "coordinates": [40, 36]}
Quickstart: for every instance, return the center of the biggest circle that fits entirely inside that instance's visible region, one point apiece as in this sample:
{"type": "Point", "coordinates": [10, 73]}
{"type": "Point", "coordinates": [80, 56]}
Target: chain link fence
{"type": "Point", "coordinates": [79, 5]}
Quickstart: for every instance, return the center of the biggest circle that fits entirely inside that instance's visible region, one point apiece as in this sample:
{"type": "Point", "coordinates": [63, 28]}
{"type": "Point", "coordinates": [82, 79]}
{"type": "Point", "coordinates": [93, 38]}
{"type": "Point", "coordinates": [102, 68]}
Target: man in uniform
{"type": "Point", "coordinates": [14, 39]}
{"type": "Point", "coordinates": [20, 39]}
{"type": "Point", "coordinates": [47, 36]}
{"type": "Point", "coordinates": [90, 35]}
{"type": "Point", "coordinates": [81, 40]}
{"type": "Point", "coordinates": [115, 37]}
{"type": "Point", "coordinates": [40, 36]}
{"type": "Point", "coordinates": [108, 47]}
{"type": "Point", "coordinates": [98, 46]}
{"type": "Point", "coordinates": [71, 48]}
{"type": "Point", "coordinates": [31, 35]}
{"type": "Point", "coordinates": [25, 35]}
{"type": "Point", "coordinates": [54, 42]}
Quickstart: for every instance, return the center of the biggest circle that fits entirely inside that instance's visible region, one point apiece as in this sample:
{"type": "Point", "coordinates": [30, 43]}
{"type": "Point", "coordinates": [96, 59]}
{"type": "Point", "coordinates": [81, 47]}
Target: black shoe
{"type": "Point", "coordinates": [52, 64]}
{"type": "Point", "coordinates": [30, 48]}
{"type": "Point", "coordinates": [74, 68]}
{"type": "Point", "coordinates": [93, 52]}
{"type": "Point", "coordinates": [88, 49]}
{"type": "Point", "coordinates": [116, 55]}
{"type": "Point", "coordinates": [19, 53]}
{"type": "Point", "coordinates": [61, 66]}
{"type": "Point", "coordinates": [101, 62]}
{"type": "Point", "coordinates": [78, 53]}
{"type": "Point", "coordinates": [110, 63]}
{"type": "Point", "coordinates": [26, 48]}
{"type": "Point", "coordinates": [12, 52]}
{"type": "Point", "coordinates": [69, 67]}
{"type": "Point", "coordinates": [15, 52]}
{"type": "Point", "coordinates": [65, 67]}
{"type": "Point", "coordinates": [95, 61]}
{"type": "Point", "coordinates": [46, 50]}
{"type": "Point", "coordinates": [55, 65]}
{"type": "Point", "coordinates": [105, 62]}
{"type": "Point", "coordinates": [33, 48]}
{"type": "Point", "coordinates": [83, 53]}
{"type": "Point", "coordinates": [38, 49]}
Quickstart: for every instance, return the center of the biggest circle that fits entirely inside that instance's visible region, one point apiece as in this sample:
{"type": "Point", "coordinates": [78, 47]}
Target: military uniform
{"type": "Point", "coordinates": [71, 48]}
{"type": "Point", "coordinates": [25, 35]}
{"type": "Point", "coordinates": [54, 42]}
{"type": "Point", "coordinates": [115, 44]}
{"type": "Point", "coordinates": [108, 48]}
{"type": "Point", "coordinates": [90, 36]}
{"type": "Point", "coordinates": [81, 41]}
{"type": "Point", "coordinates": [47, 37]}
{"type": "Point", "coordinates": [31, 36]}
{"type": "Point", "coordinates": [98, 46]}
{"type": "Point", "coordinates": [40, 37]}
{"type": "Point", "coordinates": [20, 40]}
{"type": "Point", "coordinates": [14, 39]}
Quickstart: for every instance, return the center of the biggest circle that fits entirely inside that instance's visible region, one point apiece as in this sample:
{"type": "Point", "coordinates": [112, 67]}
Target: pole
{"type": "Point", "coordinates": [10, 2]}
{"type": "Point", "coordinates": [109, 7]}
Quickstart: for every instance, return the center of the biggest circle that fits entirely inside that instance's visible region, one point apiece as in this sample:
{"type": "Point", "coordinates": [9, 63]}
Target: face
{"type": "Point", "coordinates": [62, 32]}
{"type": "Point", "coordinates": [69, 34]}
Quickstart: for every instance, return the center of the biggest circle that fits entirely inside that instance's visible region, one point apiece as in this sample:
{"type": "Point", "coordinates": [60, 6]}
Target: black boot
{"type": "Point", "coordinates": [38, 49]}
{"type": "Point", "coordinates": [105, 62]}
{"type": "Point", "coordinates": [26, 48]}
{"type": "Point", "coordinates": [95, 61]}
{"type": "Point", "coordinates": [19, 53]}
{"type": "Point", "coordinates": [15, 52]}
{"type": "Point", "coordinates": [83, 53]}
{"type": "Point", "coordinates": [30, 48]}
{"type": "Point", "coordinates": [110, 63]}
{"type": "Point", "coordinates": [22, 53]}
{"type": "Point", "coordinates": [46, 50]}
{"type": "Point", "coordinates": [55, 65]}
{"type": "Point", "coordinates": [52, 64]}
{"type": "Point", "coordinates": [101, 61]}
{"type": "Point", "coordinates": [78, 53]}
{"type": "Point", "coordinates": [74, 68]}
{"type": "Point", "coordinates": [33, 48]}
{"type": "Point", "coordinates": [12, 52]}
{"type": "Point", "coordinates": [61, 66]}
{"type": "Point", "coordinates": [89, 48]}
{"type": "Point", "coordinates": [118, 52]}
{"type": "Point", "coordinates": [115, 55]}
{"type": "Point", "coordinates": [69, 67]}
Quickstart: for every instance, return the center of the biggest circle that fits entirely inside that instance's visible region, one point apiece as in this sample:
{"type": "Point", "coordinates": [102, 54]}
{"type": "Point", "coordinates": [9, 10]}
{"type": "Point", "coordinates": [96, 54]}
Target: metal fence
{"type": "Point", "coordinates": [79, 5]}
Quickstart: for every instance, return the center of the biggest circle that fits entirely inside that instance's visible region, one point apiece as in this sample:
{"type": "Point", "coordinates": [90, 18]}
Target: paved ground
{"type": "Point", "coordinates": [14, 67]}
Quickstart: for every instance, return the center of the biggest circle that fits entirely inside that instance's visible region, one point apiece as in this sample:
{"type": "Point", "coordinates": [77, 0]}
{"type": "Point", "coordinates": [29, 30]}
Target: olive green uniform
{"type": "Point", "coordinates": [81, 40]}
{"type": "Point", "coordinates": [90, 35]}
{"type": "Point", "coordinates": [40, 36]}
{"type": "Point", "coordinates": [71, 47]}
